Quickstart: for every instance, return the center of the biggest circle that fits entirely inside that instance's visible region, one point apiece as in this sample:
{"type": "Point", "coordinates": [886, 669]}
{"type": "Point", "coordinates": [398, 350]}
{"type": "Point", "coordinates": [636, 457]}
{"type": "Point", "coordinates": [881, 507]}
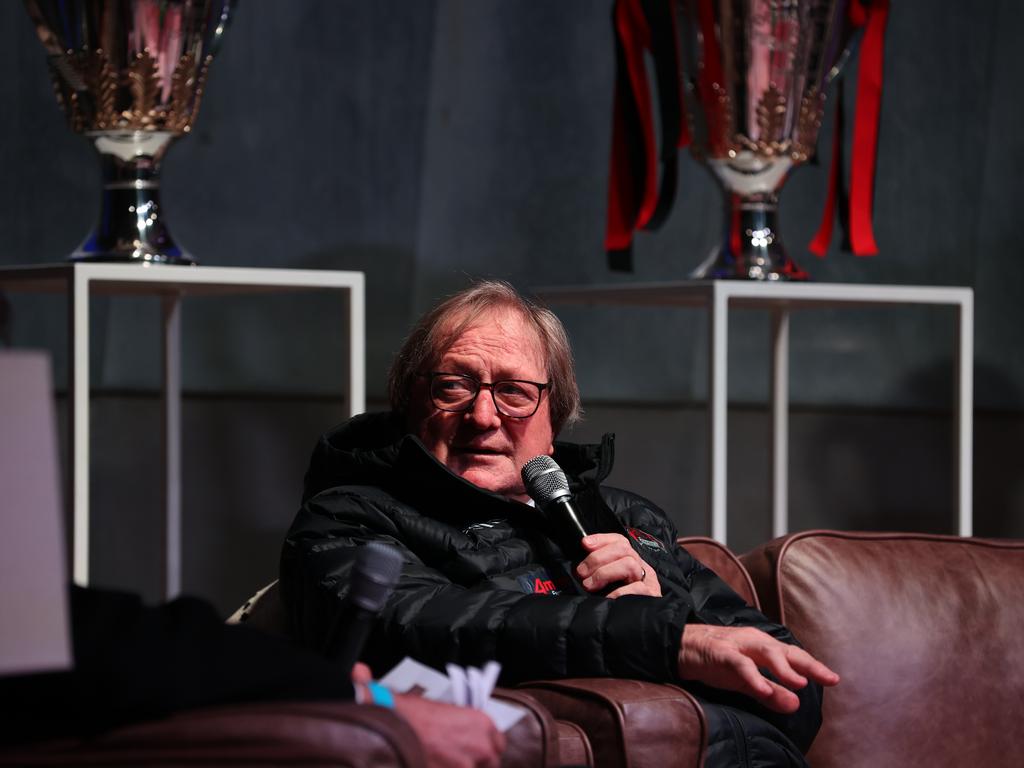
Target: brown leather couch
{"type": "Point", "coordinates": [299, 733]}
{"type": "Point", "coordinates": [286, 733]}
{"type": "Point", "coordinates": [924, 630]}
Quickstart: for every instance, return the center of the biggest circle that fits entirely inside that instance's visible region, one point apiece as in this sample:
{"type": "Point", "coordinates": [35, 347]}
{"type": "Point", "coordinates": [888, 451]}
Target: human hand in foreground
{"type": "Point", "coordinates": [452, 737]}
{"type": "Point", "coordinates": [612, 560]}
{"type": "Point", "coordinates": [361, 674]}
{"type": "Point", "coordinates": [730, 658]}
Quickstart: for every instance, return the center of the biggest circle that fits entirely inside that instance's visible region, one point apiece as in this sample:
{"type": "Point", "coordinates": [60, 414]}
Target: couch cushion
{"type": "Point", "coordinates": [926, 632]}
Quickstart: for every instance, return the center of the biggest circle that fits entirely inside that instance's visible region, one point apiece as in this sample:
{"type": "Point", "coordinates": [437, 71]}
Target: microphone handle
{"type": "Point", "coordinates": [354, 624]}
{"type": "Point", "coordinates": [566, 510]}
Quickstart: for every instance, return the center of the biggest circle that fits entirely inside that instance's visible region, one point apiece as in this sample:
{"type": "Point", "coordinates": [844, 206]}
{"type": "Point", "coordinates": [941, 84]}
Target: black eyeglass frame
{"type": "Point", "coordinates": [432, 376]}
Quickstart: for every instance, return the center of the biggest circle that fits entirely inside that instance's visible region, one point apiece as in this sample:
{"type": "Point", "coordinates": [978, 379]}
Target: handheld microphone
{"type": "Point", "coordinates": [548, 486]}
{"type": "Point", "coordinates": [373, 577]}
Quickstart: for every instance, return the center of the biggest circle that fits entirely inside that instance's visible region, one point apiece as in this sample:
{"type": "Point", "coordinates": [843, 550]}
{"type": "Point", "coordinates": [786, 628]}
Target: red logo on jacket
{"type": "Point", "coordinates": [538, 582]}
{"type": "Point", "coordinates": [645, 539]}
{"type": "Point", "coordinates": [543, 586]}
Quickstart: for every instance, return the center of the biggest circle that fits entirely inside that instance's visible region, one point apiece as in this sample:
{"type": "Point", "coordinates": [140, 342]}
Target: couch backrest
{"type": "Point", "coordinates": [927, 633]}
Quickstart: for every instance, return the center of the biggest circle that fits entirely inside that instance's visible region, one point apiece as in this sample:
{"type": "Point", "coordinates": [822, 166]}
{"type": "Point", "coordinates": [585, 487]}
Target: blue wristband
{"type": "Point", "coordinates": [380, 695]}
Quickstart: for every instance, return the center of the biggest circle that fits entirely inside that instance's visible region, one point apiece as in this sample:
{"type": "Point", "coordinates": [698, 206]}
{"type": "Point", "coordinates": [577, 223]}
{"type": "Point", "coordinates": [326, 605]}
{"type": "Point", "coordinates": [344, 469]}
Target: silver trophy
{"type": "Point", "coordinates": [129, 74]}
{"type": "Point", "coordinates": [757, 71]}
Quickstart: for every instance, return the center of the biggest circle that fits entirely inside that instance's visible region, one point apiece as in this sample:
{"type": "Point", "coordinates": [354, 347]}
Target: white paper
{"type": "Point", "coordinates": [462, 696]}
{"type": "Point", "coordinates": [460, 687]}
{"type": "Point", "coordinates": [409, 676]}
{"type": "Point", "coordinates": [477, 699]}
{"type": "Point", "coordinates": [503, 714]}
{"type": "Point", "coordinates": [489, 676]}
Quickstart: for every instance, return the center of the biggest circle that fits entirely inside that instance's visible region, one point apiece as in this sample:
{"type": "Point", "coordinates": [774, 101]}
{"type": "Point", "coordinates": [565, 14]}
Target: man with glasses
{"type": "Point", "coordinates": [482, 385]}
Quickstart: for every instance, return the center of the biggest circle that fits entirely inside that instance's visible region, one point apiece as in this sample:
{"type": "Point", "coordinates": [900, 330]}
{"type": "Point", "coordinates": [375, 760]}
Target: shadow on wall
{"type": "Point", "coordinates": [897, 470]}
{"type": "Point", "coordinates": [998, 437]}
{"type": "Point", "coordinates": [389, 298]}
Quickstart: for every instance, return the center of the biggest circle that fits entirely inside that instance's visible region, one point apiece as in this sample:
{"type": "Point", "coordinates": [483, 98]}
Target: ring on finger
{"type": "Point", "coordinates": [643, 573]}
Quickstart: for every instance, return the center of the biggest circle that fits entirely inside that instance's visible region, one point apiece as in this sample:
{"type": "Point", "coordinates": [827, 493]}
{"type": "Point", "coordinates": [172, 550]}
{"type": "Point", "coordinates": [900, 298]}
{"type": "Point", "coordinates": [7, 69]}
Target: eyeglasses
{"type": "Point", "coordinates": [514, 398]}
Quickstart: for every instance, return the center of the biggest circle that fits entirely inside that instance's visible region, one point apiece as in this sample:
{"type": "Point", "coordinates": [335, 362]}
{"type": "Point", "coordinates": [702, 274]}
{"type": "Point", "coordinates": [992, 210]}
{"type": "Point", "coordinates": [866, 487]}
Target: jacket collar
{"type": "Point", "coordinates": [375, 449]}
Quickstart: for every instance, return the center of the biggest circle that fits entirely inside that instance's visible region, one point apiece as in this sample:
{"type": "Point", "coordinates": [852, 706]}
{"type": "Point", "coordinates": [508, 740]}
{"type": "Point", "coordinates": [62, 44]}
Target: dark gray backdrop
{"type": "Point", "coordinates": [426, 142]}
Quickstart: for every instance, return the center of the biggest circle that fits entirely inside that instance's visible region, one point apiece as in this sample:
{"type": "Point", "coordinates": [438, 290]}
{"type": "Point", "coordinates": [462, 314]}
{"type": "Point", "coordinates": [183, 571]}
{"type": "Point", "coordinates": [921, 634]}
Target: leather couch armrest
{"type": "Point", "coordinates": [277, 733]}
{"type": "Point", "coordinates": [539, 740]}
{"type": "Point", "coordinates": [629, 722]}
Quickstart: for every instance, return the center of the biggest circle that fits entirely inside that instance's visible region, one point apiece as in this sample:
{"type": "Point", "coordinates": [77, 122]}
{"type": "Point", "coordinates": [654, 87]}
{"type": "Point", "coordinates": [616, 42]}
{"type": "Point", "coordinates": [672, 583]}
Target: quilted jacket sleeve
{"type": "Point", "coordinates": [437, 619]}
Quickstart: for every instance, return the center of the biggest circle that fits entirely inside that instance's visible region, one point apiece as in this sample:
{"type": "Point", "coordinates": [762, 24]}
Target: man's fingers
{"type": "Point", "coordinates": [777, 661]}
{"type": "Point", "coordinates": [626, 569]}
{"type": "Point", "coordinates": [806, 664]}
{"type": "Point", "coordinates": [490, 756]}
{"type": "Point", "coordinates": [604, 548]}
{"type": "Point", "coordinates": [634, 588]}
{"type": "Point", "coordinates": [768, 692]}
{"type": "Point", "coordinates": [781, 699]}
{"type": "Point", "coordinates": [498, 741]}
{"type": "Point", "coordinates": [596, 541]}
{"type": "Point", "coordinates": [361, 674]}
{"type": "Point", "coordinates": [792, 665]}
{"type": "Point", "coordinates": [752, 682]}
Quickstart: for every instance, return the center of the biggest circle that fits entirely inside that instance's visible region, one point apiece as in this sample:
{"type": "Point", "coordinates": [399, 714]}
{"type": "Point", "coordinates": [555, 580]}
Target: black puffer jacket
{"type": "Point", "coordinates": [485, 577]}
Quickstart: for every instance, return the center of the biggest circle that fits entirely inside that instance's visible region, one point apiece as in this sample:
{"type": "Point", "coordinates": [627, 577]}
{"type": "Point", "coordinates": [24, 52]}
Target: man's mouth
{"type": "Point", "coordinates": [476, 451]}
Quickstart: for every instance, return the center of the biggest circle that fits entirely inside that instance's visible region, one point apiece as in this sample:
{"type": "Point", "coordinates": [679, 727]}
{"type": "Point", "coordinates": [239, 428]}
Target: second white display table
{"type": "Point", "coordinates": [719, 296]}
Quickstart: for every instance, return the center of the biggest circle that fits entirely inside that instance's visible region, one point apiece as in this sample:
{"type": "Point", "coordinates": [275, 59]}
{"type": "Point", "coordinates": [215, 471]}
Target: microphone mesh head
{"type": "Point", "coordinates": [544, 480]}
{"type": "Point", "coordinates": [374, 575]}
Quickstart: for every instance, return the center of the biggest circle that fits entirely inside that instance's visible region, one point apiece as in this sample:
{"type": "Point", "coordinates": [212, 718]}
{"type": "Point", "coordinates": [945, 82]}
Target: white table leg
{"type": "Point", "coordinates": [171, 306]}
{"type": "Point", "coordinates": [963, 411]}
{"type": "Point", "coordinates": [357, 347]}
{"type": "Point", "coordinates": [780, 422]}
{"type": "Point", "coordinates": [79, 421]}
{"type": "Point", "coordinates": [718, 395]}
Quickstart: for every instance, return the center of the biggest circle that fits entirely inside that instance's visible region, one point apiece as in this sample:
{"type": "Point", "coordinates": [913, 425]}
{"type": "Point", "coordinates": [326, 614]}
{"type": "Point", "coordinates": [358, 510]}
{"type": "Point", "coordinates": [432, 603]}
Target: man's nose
{"type": "Point", "coordinates": [483, 413]}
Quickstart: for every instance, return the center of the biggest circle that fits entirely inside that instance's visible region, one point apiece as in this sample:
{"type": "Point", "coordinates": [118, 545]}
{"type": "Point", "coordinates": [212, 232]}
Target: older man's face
{"type": "Point", "coordinates": [480, 445]}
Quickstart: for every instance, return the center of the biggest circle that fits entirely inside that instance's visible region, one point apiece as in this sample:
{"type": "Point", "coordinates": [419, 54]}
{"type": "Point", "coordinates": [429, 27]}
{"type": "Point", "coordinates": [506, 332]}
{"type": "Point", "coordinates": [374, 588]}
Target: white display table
{"type": "Point", "coordinates": [81, 281]}
{"type": "Point", "coordinates": [780, 299]}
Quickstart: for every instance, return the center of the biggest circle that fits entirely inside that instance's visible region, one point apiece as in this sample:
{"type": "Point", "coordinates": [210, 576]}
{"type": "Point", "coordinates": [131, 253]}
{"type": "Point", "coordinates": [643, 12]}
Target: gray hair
{"type": "Point", "coordinates": [441, 326]}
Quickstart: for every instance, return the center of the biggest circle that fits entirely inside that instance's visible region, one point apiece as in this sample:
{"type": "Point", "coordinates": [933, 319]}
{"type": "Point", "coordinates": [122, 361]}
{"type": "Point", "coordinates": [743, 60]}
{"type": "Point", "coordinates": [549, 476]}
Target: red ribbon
{"type": "Point", "coordinates": [625, 211]}
{"type": "Point", "coordinates": [863, 157]}
{"type": "Point", "coordinates": [819, 245]}
{"type": "Point", "coordinates": [865, 130]}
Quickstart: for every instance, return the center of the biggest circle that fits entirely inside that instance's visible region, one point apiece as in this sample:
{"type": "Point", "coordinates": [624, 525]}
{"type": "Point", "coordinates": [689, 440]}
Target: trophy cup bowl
{"type": "Point", "coordinates": [129, 74]}
{"type": "Point", "coordinates": [758, 71]}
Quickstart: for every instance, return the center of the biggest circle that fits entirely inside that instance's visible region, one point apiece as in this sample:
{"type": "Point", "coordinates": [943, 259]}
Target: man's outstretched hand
{"type": "Point", "coordinates": [731, 658]}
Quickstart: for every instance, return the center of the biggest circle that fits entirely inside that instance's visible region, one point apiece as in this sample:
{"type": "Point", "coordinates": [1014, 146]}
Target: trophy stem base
{"type": "Point", "coordinates": [131, 226]}
{"type": "Point", "coordinates": [752, 247]}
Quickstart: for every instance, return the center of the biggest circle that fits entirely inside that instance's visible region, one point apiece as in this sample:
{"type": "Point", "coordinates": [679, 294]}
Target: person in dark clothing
{"type": "Point", "coordinates": [135, 663]}
{"type": "Point", "coordinates": [483, 384]}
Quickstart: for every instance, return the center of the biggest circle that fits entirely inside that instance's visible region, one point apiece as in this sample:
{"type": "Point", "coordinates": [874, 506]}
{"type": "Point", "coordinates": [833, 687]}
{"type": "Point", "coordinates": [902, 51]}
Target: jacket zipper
{"type": "Point", "coordinates": [740, 738]}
